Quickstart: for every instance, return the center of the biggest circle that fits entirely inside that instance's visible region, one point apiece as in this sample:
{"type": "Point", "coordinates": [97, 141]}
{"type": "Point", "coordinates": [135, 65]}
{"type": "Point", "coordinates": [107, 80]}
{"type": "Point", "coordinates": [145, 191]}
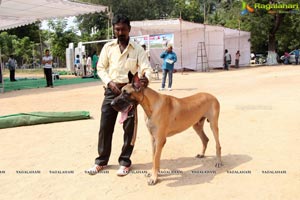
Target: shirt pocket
{"type": "Point", "coordinates": [131, 64]}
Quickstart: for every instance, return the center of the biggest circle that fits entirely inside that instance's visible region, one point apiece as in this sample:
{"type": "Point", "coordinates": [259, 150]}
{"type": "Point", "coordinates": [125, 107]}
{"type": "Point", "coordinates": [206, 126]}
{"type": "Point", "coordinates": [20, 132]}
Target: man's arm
{"type": "Point", "coordinates": [43, 61]}
{"type": "Point", "coordinates": [175, 57]}
{"type": "Point", "coordinates": [102, 66]}
{"type": "Point", "coordinates": [163, 54]}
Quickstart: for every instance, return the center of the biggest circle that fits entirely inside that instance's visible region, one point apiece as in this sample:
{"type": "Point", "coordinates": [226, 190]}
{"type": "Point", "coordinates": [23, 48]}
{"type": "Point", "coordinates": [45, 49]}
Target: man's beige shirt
{"type": "Point", "coordinates": [114, 66]}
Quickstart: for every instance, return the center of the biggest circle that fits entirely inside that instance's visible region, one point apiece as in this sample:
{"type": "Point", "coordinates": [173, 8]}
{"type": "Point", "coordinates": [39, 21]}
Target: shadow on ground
{"type": "Point", "coordinates": [200, 170]}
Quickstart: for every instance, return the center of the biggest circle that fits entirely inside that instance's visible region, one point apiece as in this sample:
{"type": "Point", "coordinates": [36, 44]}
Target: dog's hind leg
{"type": "Point", "coordinates": [198, 127]}
{"type": "Point", "coordinates": [215, 129]}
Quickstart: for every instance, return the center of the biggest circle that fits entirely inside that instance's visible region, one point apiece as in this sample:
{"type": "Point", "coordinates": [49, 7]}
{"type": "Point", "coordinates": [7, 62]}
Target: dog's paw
{"type": "Point", "coordinates": [218, 164]}
{"type": "Point", "coordinates": [152, 181]}
{"type": "Point", "coordinates": [148, 174]}
{"type": "Point", "coordinates": [199, 156]}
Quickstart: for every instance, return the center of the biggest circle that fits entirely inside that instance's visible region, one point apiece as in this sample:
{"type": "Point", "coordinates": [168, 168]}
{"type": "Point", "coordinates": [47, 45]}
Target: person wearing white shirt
{"type": "Point", "coordinates": [47, 63]}
{"type": "Point", "coordinates": [117, 59]}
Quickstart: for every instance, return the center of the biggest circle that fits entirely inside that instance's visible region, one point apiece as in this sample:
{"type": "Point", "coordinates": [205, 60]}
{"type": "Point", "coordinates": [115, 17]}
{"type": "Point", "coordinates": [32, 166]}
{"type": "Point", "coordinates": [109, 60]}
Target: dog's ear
{"type": "Point", "coordinates": [130, 76]}
{"type": "Point", "coordinates": [136, 84]}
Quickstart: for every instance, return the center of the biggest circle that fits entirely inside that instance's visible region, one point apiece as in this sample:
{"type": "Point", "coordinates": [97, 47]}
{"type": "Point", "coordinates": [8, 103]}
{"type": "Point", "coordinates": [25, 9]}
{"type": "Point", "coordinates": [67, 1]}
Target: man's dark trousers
{"type": "Point", "coordinates": [12, 75]}
{"type": "Point", "coordinates": [48, 74]}
{"type": "Point", "coordinates": [107, 124]}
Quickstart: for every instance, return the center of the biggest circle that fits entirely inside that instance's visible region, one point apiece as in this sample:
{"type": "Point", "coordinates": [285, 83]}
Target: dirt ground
{"type": "Point", "coordinates": [259, 133]}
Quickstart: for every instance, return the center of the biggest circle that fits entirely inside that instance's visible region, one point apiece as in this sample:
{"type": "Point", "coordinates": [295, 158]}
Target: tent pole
{"type": "Point", "coordinates": [239, 34]}
{"type": "Point", "coordinates": [1, 73]}
{"type": "Point", "coordinates": [180, 20]}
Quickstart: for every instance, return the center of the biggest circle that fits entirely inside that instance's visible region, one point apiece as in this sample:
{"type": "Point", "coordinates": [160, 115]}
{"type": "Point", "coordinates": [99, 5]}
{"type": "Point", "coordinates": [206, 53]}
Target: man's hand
{"type": "Point", "coordinates": [112, 85]}
{"type": "Point", "coordinates": [144, 81]}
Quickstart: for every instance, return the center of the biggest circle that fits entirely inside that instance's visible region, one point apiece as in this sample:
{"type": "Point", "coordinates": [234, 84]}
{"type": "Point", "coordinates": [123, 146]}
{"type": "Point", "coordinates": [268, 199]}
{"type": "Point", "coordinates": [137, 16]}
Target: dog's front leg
{"type": "Point", "coordinates": [159, 144]}
{"type": "Point", "coordinates": [153, 152]}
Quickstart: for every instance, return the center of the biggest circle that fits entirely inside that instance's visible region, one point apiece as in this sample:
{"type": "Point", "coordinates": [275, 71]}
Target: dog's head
{"type": "Point", "coordinates": [128, 98]}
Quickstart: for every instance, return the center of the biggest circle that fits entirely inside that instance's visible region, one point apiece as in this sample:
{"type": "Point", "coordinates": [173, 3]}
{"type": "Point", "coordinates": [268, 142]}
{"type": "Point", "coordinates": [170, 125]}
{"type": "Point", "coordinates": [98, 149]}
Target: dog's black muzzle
{"type": "Point", "coordinates": [122, 102]}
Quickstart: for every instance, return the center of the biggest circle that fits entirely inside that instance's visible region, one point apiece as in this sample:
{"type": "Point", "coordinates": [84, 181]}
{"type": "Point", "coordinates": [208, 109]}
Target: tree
{"type": "Point", "coordinates": [92, 23]}
{"type": "Point", "coordinates": [189, 10]}
{"type": "Point", "coordinates": [59, 38]}
{"type": "Point", "coordinates": [23, 49]}
{"type": "Point", "coordinates": [31, 31]}
{"type": "Point", "coordinates": [6, 44]}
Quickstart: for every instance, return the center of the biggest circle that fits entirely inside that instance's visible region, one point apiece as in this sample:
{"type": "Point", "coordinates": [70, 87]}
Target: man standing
{"type": "Point", "coordinates": [237, 59]}
{"type": "Point", "coordinates": [117, 59]}
{"type": "Point", "coordinates": [47, 62]}
{"type": "Point", "coordinates": [83, 63]}
{"type": "Point", "coordinates": [12, 68]}
{"type": "Point", "coordinates": [89, 64]}
{"type": "Point", "coordinates": [168, 66]}
{"type": "Point", "coordinates": [227, 60]}
{"type": "Point", "coordinates": [94, 64]}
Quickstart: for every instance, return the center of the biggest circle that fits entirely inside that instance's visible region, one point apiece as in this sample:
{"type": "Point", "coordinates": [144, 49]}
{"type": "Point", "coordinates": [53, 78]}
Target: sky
{"type": "Point", "coordinates": [70, 23]}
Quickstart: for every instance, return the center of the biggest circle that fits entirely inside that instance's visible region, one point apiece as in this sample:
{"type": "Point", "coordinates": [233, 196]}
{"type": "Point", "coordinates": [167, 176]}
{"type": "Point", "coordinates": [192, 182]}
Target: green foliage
{"type": "Point", "coordinates": [59, 38]}
{"type": "Point", "coordinates": [20, 48]}
{"type": "Point", "coordinates": [31, 31]}
{"type": "Point", "coordinates": [189, 10]}
{"type": "Point", "coordinates": [92, 23]}
{"type": "Point", "coordinates": [268, 31]}
{"type": "Point", "coordinates": [6, 43]}
{"type": "Point", "coordinates": [23, 49]}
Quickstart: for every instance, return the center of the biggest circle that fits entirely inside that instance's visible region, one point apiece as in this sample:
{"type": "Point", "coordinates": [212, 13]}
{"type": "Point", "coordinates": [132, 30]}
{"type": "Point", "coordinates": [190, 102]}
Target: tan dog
{"type": "Point", "coordinates": [167, 115]}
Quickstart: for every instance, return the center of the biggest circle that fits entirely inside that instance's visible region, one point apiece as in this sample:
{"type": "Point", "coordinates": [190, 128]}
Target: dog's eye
{"type": "Point", "coordinates": [125, 94]}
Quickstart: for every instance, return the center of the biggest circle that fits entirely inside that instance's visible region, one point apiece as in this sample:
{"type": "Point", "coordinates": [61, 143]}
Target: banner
{"type": "Point", "coordinates": [156, 41]}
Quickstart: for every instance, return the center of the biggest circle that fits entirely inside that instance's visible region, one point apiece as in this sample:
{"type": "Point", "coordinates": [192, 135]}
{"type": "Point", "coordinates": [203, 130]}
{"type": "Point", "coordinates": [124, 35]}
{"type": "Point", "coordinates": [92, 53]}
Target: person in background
{"type": "Point", "coordinates": [227, 60]}
{"type": "Point", "coordinates": [169, 58]}
{"type": "Point", "coordinates": [89, 64]}
{"type": "Point", "coordinates": [94, 64]}
{"type": "Point", "coordinates": [12, 68]}
{"type": "Point", "coordinates": [47, 63]}
{"type": "Point", "coordinates": [286, 57]}
{"type": "Point", "coordinates": [118, 59]}
{"type": "Point", "coordinates": [83, 63]}
{"type": "Point", "coordinates": [77, 65]}
{"type": "Point", "coordinates": [147, 51]}
{"type": "Point", "coordinates": [237, 59]}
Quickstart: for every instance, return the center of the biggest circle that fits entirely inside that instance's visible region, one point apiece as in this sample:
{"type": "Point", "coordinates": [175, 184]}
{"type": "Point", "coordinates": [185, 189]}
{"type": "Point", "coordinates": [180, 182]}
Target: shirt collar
{"type": "Point", "coordinates": [131, 43]}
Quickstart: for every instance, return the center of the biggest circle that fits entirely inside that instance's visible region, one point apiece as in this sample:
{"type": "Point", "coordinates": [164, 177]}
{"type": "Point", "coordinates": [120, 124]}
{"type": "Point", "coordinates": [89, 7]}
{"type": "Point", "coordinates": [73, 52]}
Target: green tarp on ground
{"type": "Point", "coordinates": [30, 83]}
{"type": "Point", "coordinates": [32, 118]}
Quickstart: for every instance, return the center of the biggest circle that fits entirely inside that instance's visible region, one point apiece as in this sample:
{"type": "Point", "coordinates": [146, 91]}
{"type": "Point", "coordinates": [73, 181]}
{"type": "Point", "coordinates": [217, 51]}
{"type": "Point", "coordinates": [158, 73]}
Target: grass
{"type": "Point", "coordinates": [33, 78]}
{"type": "Point", "coordinates": [36, 71]}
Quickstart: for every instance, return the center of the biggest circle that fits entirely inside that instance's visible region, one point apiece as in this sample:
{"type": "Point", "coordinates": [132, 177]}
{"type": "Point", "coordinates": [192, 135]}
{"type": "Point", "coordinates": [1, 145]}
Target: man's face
{"type": "Point", "coordinates": [169, 49]}
{"type": "Point", "coordinates": [121, 31]}
{"type": "Point", "coordinates": [47, 53]}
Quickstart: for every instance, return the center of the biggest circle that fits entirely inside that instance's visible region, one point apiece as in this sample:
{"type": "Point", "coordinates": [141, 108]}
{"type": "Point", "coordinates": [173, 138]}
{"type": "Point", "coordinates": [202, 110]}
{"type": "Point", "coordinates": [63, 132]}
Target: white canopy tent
{"type": "Point", "coordinates": [15, 13]}
{"type": "Point", "coordinates": [187, 35]}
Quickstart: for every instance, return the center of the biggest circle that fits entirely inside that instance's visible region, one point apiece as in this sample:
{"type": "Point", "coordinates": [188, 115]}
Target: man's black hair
{"type": "Point", "coordinates": [119, 18]}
